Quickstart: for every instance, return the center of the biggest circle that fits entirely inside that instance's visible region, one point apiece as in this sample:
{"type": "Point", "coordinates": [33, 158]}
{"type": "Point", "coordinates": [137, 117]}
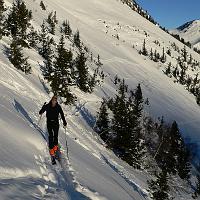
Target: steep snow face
{"type": "Point", "coordinates": [99, 22]}
{"type": "Point", "coordinates": [190, 31]}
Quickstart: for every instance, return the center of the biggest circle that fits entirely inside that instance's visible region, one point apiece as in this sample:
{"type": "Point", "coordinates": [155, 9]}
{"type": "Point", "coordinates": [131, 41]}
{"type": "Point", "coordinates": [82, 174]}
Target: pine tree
{"type": "Point", "coordinates": [93, 80]}
{"type": "Point", "coordinates": [42, 5]}
{"type": "Point", "coordinates": [16, 57]}
{"type": "Point", "coordinates": [119, 121]}
{"type": "Point", "coordinates": [178, 159]}
{"type": "Point", "coordinates": [183, 162]}
{"type": "Point", "coordinates": [33, 38]}
{"type": "Point", "coordinates": [168, 70]}
{"type": "Point", "coordinates": [62, 73]}
{"type": "Point", "coordinates": [169, 52]}
{"type": "Point", "coordinates": [144, 50]}
{"type": "Point", "coordinates": [48, 63]}
{"type": "Point", "coordinates": [137, 147]}
{"type": "Point", "coordinates": [184, 54]}
{"type": "Point", "coordinates": [63, 61]}
{"type": "Point", "coordinates": [155, 56]}
{"type": "Point", "coordinates": [182, 76]}
{"type": "Point", "coordinates": [175, 72]}
{"type": "Point", "coordinates": [163, 58]}
{"type": "Point", "coordinates": [159, 188]}
{"type": "Point", "coordinates": [2, 18]}
{"type": "Point", "coordinates": [77, 40]}
{"type": "Point", "coordinates": [198, 98]}
{"type": "Point", "coordinates": [66, 29]}
{"type": "Point", "coordinates": [52, 21]}
{"type": "Point", "coordinates": [98, 61]}
{"type": "Point", "coordinates": [197, 189]}
{"type": "Point", "coordinates": [151, 54]}
{"type": "Point", "coordinates": [83, 73]}
{"type": "Point", "coordinates": [190, 59]}
{"type": "Point", "coordinates": [18, 21]}
{"type": "Point", "coordinates": [102, 123]}
{"type": "Point", "coordinates": [45, 41]}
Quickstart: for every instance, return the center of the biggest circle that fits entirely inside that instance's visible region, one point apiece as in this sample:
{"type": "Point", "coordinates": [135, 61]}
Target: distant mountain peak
{"type": "Point", "coordinates": [187, 25]}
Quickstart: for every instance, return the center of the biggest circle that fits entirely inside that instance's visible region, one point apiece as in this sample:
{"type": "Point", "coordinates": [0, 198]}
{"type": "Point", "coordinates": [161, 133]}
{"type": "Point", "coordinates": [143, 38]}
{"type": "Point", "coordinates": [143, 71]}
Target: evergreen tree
{"type": "Point", "coordinates": [175, 72]}
{"type": "Point", "coordinates": [102, 123]}
{"type": "Point", "coordinates": [66, 29]}
{"type": "Point", "coordinates": [62, 77]}
{"type": "Point", "coordinates": [178, 154]}
{"type": "Point", "coordinates": [184, 54]}
{"type": "Point", "coordinates": [120, 123]}
{"type": "Point", "coordinates": [127, 111]}
{"type": "Point", "coordinates": [77, 40]}
{"type": "Point", "coordinates": [144, 50]}
{"type": "Point", "coordinates": [197, 189]}
{"type": "Point", "coordinates": [151, 54]}
{"type": "Point", "coordinates": [2, 10]}
{"type": "Point", "coordinates": [159, 188]}
{"type": "Point", "coordinates": [198, 98]}
{"type": "Point", "coordinates": [169, 52]}
{"type": "Point", "coordinates": [98, 61]}
{"type": "Point", "coordinates": [190, 59]}
{"type": "Point", "coordinates": [155, 56]}
{"type": "Point", "coordinates": [182, 76]}
{"type": "Point", "coordinates": [33, 38]}
{"type": "Point", "coordinates": [63, 61]}
{"type": "Point", "coordinates": [45, 41]}
{"type": "Point", "coordinates": [163, 58]}
{"type": "Point", "coordinates": [136, 148]}
{"type": "Point", "coordinates": [42, 5]}
{"type": "Point", "coordinates": [168, 70]}
{"type": "Point", "coordinates": [93, 80]}
{"type": "Point", "coordinates": [183, 162]}
{"type": "Point", "coordinates": [18, 21]}
{"type": "Point", "coordinates": [16, 57]}
{"type": "Point", "coordinates": [52, 21]}
{"type": "Point", "coordinates": [83, 73]}
{"type": "Point", "coordinates": [48, 63]}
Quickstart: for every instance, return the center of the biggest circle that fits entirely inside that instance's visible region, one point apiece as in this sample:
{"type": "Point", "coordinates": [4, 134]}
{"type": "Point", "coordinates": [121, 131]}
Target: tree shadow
{"type": "Point", "coordinates": [87, 116]}
{"type": "Point", "coordinates": [44, 86]}
{"type": "Point", "coordinates": [21, 110]}
{"type": "Point", "coordinates": [131, 183]}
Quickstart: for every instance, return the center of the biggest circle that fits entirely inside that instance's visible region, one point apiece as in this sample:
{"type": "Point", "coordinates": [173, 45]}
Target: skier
{"type": "Point", "coordinates": [53, 109]}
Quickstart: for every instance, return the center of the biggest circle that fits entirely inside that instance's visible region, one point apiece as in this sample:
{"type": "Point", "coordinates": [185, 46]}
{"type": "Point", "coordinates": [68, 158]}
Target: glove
{"type": "Point", "coordinates": [64, 124]}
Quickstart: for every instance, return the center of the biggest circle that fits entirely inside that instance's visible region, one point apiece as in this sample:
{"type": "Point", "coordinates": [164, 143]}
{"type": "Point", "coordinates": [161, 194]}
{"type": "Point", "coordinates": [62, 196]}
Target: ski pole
{"type": "Point", "coordinates": [67, 144]}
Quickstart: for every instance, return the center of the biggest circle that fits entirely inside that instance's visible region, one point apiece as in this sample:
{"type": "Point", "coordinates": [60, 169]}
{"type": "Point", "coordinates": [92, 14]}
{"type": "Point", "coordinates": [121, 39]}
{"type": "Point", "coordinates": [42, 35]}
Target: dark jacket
{"type": "Point", "coordinates": [52, 113]}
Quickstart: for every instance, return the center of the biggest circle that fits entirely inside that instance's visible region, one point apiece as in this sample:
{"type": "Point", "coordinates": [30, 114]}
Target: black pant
{"type": "Point", "coordinates": [53, 128]}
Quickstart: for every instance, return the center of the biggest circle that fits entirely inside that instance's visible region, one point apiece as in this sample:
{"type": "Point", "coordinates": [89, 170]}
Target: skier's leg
{"type": "Point", "coordinates": [55, 131]}
{"type": "Point", "coordinates": [50, 131]}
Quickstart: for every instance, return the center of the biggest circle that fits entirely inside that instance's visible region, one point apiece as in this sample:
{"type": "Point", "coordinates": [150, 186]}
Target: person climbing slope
{"type": "Point", "coordinates": [53, 109]}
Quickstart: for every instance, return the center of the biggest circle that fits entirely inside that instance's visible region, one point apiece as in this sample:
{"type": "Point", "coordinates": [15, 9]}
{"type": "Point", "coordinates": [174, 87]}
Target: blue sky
{"type": "Point", "coordinates": [172, 13]}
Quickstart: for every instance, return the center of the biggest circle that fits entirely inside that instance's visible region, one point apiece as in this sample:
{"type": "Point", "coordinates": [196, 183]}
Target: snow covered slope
{"type": "Point", "coordinates": [25, 167]}
{"type": "Point", "coordinates": [190, 31]}
{"type": "Point", "coordinates": [99, 22]}
{"type": "Point", "coordinates": [93, 171]}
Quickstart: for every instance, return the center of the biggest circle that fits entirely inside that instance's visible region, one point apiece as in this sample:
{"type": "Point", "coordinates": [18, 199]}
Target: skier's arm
{"type": "Point", "coordinates": [63, 117]}
{"type": "Point", "coordinates": [44, 107]}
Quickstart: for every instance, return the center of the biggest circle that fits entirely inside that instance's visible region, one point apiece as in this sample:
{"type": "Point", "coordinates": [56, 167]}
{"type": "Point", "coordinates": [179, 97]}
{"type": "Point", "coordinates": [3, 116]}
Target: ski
{"type": "Point", "coordinates": [58, 153]}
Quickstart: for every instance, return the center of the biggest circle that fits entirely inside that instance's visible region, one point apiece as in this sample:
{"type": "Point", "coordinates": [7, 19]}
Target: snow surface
{"type": "Point", "coordinates": [92, 171]}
